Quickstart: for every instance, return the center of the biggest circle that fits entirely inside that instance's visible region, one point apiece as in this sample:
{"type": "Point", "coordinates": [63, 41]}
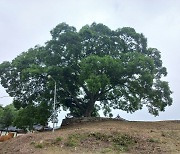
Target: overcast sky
{"type": "Point", "coordinates": [26, 23]}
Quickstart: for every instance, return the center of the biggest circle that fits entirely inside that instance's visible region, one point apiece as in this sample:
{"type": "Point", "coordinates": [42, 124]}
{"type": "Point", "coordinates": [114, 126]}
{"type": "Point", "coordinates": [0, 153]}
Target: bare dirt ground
{"type": "Point", "coordinates": [100, 137]}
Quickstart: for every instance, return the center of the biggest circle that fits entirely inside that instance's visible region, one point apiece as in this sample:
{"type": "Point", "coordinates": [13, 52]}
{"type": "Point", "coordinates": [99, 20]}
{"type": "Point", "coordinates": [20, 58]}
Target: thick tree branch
{"type": "Point", "coordinates": [76, 100]}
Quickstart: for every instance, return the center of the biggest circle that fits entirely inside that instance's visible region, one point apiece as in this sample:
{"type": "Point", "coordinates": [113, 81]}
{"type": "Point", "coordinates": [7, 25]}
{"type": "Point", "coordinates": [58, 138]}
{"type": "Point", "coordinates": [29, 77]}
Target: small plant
{"type": "Point", "coordinates": [106, 150]}
{"type": "Point", "coordinates": [33, 143]}
{"type": "Point", "coordinates": [163, 134]}
{"type": "Point", "coordinates": [39, 146]}
{"type": "Point", "coordinates": [71, 143]}
{"type": "Point", "coordinates": [153, 140]}
{"type": "Point", "coordinates": [59, 139]}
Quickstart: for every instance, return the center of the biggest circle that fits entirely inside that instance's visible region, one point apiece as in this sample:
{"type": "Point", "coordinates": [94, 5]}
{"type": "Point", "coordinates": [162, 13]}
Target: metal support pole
{"type": "Point", "coordinates": [54, 106]}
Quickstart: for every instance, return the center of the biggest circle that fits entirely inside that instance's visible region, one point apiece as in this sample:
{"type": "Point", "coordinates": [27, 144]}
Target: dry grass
{"type": "Point", "coordinates": [100, 137]}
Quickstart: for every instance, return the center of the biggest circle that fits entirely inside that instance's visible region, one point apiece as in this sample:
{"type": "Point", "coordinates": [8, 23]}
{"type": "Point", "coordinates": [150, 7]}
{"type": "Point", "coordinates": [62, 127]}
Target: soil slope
{"type": "Point", "coordinates": [100, 137]}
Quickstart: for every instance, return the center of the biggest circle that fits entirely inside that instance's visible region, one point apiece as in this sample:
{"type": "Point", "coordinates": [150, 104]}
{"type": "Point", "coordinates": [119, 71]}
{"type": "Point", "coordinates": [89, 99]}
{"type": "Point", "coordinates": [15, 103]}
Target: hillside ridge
{"type": "Point", "coordinates": [108, 136]}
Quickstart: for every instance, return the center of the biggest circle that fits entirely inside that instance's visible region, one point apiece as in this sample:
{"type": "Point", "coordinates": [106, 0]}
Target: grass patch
{"type": "Point", "coordinates": [74, 139]}
{"type": "Point", "coordinates": [100, 136]}
{"type": "Point", "coordinates": [110, 142]}
{"type": "Point", "coordinates": [33, 143]}
{"type": "Point", "coordinates": [38, 146]}
{"type": "Point", "coordinates": [71, 143]}
{"type": "Point", "coordinates": [106, 142]}
{"type": "Point", "coordinates": [152, 140]}
{"type": "Point", "coordinates": [106, 150]}
{"type": "Point", "coordinates": [171, 134]}
{"type": "Point", "coordinates": [122, 142]}
{"type": "Point", "coordinates": [59, 139]}
{"type": "Point", "coordinates": [47, 143]}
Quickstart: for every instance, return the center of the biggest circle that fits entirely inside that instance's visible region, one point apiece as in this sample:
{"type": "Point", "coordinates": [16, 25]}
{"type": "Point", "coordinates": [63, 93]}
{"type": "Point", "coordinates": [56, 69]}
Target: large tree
{"type": "Point", "coordinates": [94, 68]}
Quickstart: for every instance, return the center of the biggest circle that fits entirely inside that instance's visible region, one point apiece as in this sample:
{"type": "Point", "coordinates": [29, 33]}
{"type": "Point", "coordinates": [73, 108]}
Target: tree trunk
{"type": "Point", "coordinates": [87, 113]}
{"type": "Point", "coordinates": [89, 109]}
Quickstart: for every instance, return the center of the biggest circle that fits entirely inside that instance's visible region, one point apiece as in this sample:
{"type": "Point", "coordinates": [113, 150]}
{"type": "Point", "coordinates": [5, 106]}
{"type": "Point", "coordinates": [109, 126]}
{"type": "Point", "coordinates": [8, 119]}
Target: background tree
{"type": "Point", "coordinates": [8, 115]}
{"type": "Point", "coordinates": [95, 64]}
{"type": "Point", "coordinates": [1, 111]}
{"type": "Point", "coordinates": [31, 115]}
{"type": "Point", "coordinates": [25, 118]}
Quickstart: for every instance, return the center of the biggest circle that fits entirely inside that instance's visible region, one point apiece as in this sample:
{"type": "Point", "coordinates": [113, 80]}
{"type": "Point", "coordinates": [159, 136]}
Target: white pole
{"type": "Point", "coordinates": [54, 107]}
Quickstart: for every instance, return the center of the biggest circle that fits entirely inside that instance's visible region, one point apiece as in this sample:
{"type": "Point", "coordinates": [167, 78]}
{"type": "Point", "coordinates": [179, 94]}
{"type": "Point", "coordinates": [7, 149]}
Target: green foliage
{"type": "Point", "coordinates": [25, 118]}
{"type": "Point", "coordinates": [1, 111]}
{"type": "Point", "coordinates": [100, 136]}
{"type": "Point", "coordinates": [33, 143]}
{"type": "Point", "coordinates": [123, 142]}
{"type": "Point", "coordinates": [74, 139]}
{"type": "Point", "coordinates": [31, 115]}
{"type": "Point", "coordinates": [59, 139]}
{"type": "Point", "coordinates": [94, 64]}
{"type": "Point", "coordinates": [107, 150]}
{"type": "Point", "coordinates": [153, 140]}
{"type": "Point", "coordinates": [7, 115]}
{"type": "Point", "coordinates": [115, 141]}
{"type": "Point", "coordinates": [38, 146]}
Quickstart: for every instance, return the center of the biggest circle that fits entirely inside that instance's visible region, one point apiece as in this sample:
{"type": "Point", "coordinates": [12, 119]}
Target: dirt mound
{"type": "Point", "coordinates": [100, 137]}
{"type": "Point", "coordinates": [77, 121]}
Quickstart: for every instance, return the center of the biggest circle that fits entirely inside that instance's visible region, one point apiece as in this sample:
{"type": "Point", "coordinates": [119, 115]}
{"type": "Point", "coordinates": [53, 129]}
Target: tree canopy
{"type": "Point", "coordinates": [94, 68]}
{"type": "Point", "coordinates": [7, 115]}
{"type": "Point", "coordinates": [32, 114]}
{"type": "Point", "coordinates": [25, 117]}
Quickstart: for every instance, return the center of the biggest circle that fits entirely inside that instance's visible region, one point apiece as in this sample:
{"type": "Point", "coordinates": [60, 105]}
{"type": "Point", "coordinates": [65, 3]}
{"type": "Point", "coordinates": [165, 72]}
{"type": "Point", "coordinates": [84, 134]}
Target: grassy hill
{"type": "Point", "coordinates": [109, 137]}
